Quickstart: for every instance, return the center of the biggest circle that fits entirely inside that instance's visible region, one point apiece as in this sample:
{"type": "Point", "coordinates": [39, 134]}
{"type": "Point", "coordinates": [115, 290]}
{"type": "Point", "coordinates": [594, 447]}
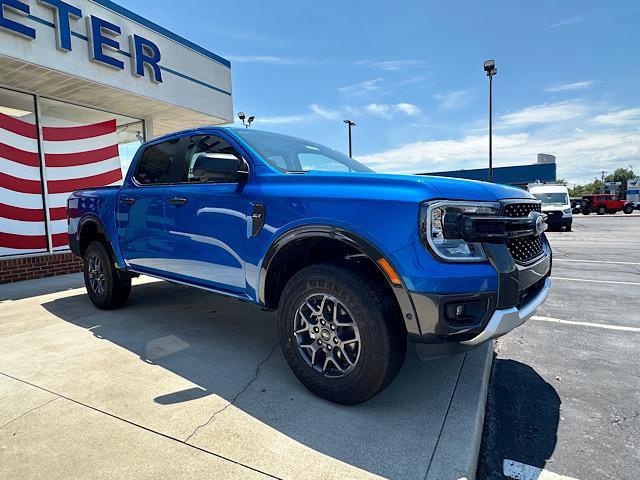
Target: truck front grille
{"type": "Point", "coordinates": [515, 210]}
{"type": "Point", "coordinates": [523, 249]}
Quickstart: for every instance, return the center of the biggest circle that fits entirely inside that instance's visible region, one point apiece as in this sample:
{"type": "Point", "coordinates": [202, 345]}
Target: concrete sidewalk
{"type": "Point", "coordinates": [185, 384]}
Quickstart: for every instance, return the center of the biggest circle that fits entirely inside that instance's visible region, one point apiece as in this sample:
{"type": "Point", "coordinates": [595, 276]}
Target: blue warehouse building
{"type": "Point", "coordinates": [520, 175]}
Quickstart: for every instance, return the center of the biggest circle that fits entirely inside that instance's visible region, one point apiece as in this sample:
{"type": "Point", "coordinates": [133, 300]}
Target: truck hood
{"type": "Point", "coordinates": [412, 187]}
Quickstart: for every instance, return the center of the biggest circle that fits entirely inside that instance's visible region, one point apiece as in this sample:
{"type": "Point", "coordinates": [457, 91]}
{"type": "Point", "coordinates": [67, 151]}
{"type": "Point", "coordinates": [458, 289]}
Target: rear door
{"type": "Point", "coordinates": [206, 217]}
{"type": "Point", "coordinates": [142, 230]}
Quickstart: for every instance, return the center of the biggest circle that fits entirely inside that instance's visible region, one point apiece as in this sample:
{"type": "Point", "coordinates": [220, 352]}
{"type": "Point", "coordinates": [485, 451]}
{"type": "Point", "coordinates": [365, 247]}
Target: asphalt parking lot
{"type": "Point", "coordinates": [565, 388]}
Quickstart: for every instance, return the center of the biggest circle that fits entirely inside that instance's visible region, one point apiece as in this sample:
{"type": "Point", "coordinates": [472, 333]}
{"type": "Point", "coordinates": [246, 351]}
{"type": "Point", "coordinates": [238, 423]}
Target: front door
{"type": "Point", "coordinates": [206, 220]}
{"type": "Point", "coordinates": [141, 209]}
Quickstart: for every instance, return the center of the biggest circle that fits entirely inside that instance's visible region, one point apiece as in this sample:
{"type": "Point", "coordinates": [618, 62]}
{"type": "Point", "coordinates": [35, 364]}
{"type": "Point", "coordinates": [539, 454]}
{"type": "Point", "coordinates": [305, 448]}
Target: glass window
{"type": "Point", "coordinates": [557, 198]}
{"type": "Point", "coordinates": [198, 169]}
{"type": "Point", "coordinates": [157, 165]}
{"type": "Point", "coordinates": [293, 154]}
{"type": "Point", "coordinates": [83, 148]}
{"type": "Point", "coordinates": [318, 161]}
{"type": "Point", "coordinates": [22, 218]}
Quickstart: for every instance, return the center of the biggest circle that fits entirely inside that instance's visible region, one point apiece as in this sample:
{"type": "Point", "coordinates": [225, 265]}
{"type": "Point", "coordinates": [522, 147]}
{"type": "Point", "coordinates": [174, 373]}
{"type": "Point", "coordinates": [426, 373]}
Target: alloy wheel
{"type": "Point", "coordinates": [327, 336]}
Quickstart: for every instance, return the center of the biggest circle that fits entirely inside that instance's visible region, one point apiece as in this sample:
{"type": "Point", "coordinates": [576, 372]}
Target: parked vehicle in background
{"type": "Point", "coordinates": [555, 204]}
{"type": "Point", "coordinates": [633, 192]}
{"type": "Point", "coordinates": [605, 203]}
{"type": "Point", "coordinates": [353, 261]}
{"type": "Point", "coordinates": [576, 205]}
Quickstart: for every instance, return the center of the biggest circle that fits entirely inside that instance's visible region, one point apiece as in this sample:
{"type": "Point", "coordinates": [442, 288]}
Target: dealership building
{"type": "Point", "coordinates": [82, 84]}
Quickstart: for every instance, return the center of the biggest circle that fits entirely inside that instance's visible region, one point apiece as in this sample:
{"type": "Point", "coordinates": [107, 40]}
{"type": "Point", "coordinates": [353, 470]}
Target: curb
{"type": "Point", "coordinates": [456, 453]}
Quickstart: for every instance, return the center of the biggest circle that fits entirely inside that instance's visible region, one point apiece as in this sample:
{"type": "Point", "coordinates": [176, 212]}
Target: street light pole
{"type": "Point", "coordinates": [491, 70]}
{"type": "Point", "coordinates": [350, 124]}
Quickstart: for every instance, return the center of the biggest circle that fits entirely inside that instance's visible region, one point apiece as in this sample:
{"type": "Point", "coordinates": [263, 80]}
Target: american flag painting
{"type": "Point", "coordinates": [76, 157]}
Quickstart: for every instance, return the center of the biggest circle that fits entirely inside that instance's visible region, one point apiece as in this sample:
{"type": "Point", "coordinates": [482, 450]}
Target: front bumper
{"type": "Point", "coordinates": [503, 321]}
{"type": "Point", "coordinates": [521, 289]}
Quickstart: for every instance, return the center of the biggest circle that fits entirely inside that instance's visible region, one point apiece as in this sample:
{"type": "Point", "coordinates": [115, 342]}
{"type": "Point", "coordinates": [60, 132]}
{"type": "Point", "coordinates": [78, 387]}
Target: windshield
{"type": "Point", "coordinates": [291, 154]}
{"type": "Point", "coordinates": [552, 198]}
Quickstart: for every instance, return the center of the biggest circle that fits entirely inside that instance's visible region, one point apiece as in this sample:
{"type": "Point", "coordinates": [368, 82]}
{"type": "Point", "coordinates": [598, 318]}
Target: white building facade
{"type": "Point", "coordinates": [82, 84]}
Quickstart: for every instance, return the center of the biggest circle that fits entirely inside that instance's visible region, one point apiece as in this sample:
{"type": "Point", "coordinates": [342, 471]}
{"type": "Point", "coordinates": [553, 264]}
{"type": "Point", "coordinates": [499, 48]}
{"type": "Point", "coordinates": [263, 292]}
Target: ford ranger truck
{"type": "Point", "coordinates": [354, 262]}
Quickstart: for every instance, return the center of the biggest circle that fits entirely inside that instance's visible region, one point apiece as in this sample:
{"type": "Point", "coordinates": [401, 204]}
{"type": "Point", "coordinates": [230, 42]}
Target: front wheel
{"type": "Point", "coordinates": [340, 333]}
{"type": "Point", "coordinates": [105, 286]}
{"type": "Point", "coordinates": [602, 210]}
{"type": "Point", "coordinates": [628, 209]}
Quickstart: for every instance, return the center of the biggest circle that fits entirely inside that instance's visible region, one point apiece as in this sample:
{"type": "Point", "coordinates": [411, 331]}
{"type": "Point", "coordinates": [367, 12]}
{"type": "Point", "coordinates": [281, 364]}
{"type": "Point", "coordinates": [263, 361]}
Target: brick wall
{"type": "Point", "coordinates": [18, 269]}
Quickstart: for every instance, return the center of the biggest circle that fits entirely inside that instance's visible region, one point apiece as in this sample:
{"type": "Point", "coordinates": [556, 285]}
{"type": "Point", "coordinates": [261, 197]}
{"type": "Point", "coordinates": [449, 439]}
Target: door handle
{"type": "Point", "coordinates": [127, 201]}
{"type": "Point", "coordinates": [177, 201]}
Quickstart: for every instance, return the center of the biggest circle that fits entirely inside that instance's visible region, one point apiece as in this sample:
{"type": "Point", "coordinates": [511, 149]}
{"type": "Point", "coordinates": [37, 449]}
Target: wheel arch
{"type": "Point", "coordinates": [91, 228]}
{"type": "Point", "coordinates": [276, 258]}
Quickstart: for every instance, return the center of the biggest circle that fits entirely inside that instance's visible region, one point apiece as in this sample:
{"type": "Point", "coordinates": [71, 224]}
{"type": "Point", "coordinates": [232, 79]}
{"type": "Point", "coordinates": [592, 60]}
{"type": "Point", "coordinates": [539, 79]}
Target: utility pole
{"type": "Point", "coordinates": [350, 124]}
{"type": "Point", "coordinates": [602, 182]}
{"type": "Point", "coordinates": [491, 70]}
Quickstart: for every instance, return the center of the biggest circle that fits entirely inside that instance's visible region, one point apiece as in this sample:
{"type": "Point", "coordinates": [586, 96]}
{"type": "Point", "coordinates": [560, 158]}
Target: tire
{"type": "Point", "coordinates": [106, 288]}
{"type": "Point", "coordinates": [567, 228]}
{"type": "Point", "coordinates": [373, 362]}
{"type": "Point", "coordinates": [628, 209]}
{"type": "Point", "coordinates": [586, 212]}
{"type": "Point", "coordinates": [601, 210]}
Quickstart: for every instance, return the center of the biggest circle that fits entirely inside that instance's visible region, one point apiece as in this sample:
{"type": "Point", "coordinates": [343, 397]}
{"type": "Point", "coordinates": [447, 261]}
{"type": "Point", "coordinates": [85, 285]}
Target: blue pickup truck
{"type": "Point", "coordinates": [353, 261]}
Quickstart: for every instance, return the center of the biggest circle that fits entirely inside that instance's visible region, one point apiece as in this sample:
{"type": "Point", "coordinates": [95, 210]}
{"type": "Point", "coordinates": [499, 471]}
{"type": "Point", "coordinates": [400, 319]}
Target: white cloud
{"type": "Point", "coordinates": [628, 116]}
{"type": "Point", "coordinates": [454, 99]}
{"type": "Point", "coordinates": [387, 111]}
{"type": "Point", "coordinates": [392, 65]}
{"type": "Point", "coordinates": [408, 109]}
{"type": "Point", "coordinates": [570, 86]}
{"type": "Point", "coordinates": [568, 21]}
{"type": "Point", "coordinates": [281, 120]}
{"type": "Point", "coordinates": [324, 112]}
{"type": "Point", "coordinates": [362, 88]}
{"type": "Point", "coordinates": [579, 154]}
{"type": "Point", "coordinates": [269, 59]}
{"type": "Point", "coordinates": [544, 113]}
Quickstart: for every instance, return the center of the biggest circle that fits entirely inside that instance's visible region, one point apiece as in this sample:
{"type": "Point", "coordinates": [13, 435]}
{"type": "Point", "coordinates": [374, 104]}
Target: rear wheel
{"type": "Point", "coordinates": [602, 210]}
{"type": "Point", "coordinates": [340, 333]}
{"type": "Point", "coordinates": [628, 209]}
{"type": "Point", "coordinates": [105, 286]}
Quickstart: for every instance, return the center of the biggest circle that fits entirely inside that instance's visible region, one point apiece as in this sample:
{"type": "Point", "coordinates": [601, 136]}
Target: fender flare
{"type": "Point", "coordinates": [367, 248]}
{"type": "Point", "coordinates": [74, 243]}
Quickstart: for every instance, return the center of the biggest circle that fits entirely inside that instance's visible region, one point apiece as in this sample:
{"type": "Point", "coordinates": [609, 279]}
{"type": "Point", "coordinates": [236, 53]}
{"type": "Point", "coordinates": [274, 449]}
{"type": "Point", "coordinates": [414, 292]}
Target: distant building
{"type": "Point", "coordinates": [520, 175]}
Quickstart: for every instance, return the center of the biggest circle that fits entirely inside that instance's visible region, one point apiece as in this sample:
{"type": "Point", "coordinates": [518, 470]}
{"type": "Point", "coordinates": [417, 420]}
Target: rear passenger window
{"type": "Point", "coordinates": [157, 165]}
{"type": "Point", "coordinates": [202, 170]}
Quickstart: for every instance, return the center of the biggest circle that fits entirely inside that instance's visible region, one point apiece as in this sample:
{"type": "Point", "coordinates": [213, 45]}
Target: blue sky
{"type": "Point", "coordinates": [410, 74]}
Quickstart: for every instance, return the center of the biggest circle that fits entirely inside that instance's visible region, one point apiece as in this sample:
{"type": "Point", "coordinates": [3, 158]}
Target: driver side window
{"type": "Point", "coordinates": [199, 169]}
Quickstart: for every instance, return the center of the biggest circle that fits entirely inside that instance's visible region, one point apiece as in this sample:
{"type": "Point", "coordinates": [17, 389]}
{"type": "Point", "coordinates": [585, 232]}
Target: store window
{"type": "Point", "coordinates": [22, 219]}
{"type": "Point", "coordinates": [83, 148]}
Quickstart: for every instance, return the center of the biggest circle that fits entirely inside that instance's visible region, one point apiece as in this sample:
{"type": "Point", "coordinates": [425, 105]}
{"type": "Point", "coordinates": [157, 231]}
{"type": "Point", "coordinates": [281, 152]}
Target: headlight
{"type": "Point", "coordinates": [439, 239]}
{"type": "Point", "coordinates": [567, 210]}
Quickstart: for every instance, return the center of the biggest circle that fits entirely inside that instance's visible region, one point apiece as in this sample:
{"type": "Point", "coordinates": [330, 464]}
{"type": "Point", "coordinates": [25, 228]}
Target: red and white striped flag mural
{"type": "Point", "coordinates": [76, 156]}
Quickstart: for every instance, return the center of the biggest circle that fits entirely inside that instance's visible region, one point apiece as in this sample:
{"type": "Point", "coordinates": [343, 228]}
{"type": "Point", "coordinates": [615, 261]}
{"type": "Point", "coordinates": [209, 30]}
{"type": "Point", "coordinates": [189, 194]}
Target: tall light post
{"type": "Point", "coordinates": [249, 121]}
{"type": "Point", "coordinates": [491, 70]}
{"type": "Point", "coordinates": [350, 124]}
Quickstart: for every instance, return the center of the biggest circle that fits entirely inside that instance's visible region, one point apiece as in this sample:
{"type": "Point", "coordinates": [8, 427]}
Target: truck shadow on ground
{"type": "Point", "coordinates": [521, 423]}
{"type": "Point", "coordinates": [229, 348]}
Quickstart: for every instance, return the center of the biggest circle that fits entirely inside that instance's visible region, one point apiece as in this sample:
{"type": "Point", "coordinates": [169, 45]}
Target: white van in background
{"type": "Point", "coordinates": [555, 204]}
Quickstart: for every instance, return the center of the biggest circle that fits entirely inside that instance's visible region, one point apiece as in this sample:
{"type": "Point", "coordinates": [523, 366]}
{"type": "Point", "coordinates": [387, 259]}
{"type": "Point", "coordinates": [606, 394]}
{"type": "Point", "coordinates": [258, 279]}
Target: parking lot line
{"type": "Point", "coordinates": [595, 261]}
{"type": "Point", "coordinates": [521, 471]}
{"type": "Point", "coordinates": [587, 324]}
{"type": "Point", "coordinates": [595, 281]}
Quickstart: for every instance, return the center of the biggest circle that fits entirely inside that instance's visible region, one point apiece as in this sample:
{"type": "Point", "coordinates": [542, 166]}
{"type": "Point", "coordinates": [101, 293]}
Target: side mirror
{"type": "Point", "coordinates": [219, 168]}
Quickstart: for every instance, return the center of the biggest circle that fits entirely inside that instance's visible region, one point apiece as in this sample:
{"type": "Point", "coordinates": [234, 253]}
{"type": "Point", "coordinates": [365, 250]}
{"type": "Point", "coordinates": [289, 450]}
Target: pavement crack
{"type": "Point", "coordinates": [237, 396]}
{"type": "Point", "coordinates": [28, 412]}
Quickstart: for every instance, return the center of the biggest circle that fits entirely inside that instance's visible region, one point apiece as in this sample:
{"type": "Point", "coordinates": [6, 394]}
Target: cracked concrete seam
{"type": "Point", "coordinates": [29, 411]}
{"type": "Point", "coordinates": [235, 398]}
